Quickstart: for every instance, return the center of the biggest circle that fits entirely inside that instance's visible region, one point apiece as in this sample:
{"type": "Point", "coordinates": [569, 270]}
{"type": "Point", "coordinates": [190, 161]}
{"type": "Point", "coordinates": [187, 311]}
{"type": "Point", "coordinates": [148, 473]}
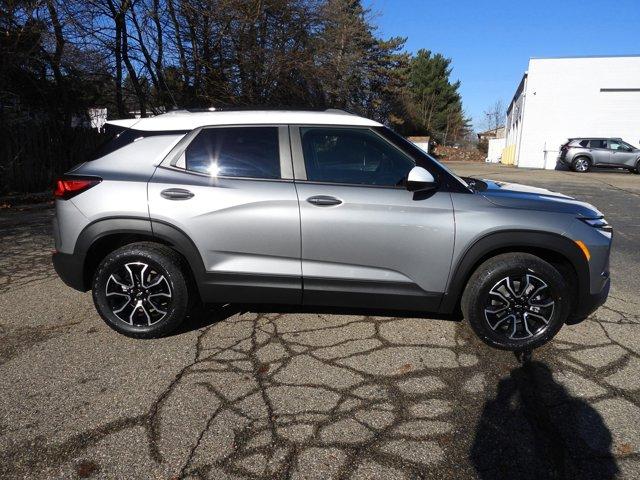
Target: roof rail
{"type": "Point", "coordinates": [257, 107]}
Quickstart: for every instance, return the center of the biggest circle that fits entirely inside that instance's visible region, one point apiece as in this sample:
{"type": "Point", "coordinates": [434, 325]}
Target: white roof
{"type": "Point", "coordinates": [184, 120]}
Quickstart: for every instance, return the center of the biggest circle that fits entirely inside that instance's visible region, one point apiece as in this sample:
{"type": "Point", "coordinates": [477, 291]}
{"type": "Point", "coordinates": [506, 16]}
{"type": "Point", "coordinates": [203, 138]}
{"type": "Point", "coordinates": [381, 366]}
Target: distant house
{"type": "Point", "coordinates": [421, 142]}
{"type": "Point", "coordinates": [493, 133]}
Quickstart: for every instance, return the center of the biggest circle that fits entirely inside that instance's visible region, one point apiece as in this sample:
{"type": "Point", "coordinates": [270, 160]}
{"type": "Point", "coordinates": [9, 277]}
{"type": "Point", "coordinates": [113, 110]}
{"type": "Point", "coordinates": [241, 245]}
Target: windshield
{"type": "Point", "coordinates": [116, 137]}
{"type": "Point", "coordinates": [113, 138]}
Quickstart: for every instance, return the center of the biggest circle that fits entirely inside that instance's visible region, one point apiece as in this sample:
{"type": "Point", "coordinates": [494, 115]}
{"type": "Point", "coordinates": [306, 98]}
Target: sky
{"type": "Point", "coordinates": [490, 42]}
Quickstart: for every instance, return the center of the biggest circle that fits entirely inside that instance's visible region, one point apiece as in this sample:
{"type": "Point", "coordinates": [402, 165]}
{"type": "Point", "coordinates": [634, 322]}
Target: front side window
{"type": "Point", "coordinates": [352, 156]}
{"type": "Point", "coordinates": [249, 152]}
{"type": "Point", "coordinates": [615, 145]}
{"type": "Point", "coordinates": [620, 145]}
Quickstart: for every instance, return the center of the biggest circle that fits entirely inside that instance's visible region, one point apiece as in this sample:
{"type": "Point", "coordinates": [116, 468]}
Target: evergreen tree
{"type": "Point", "coordinates": [435, 103]}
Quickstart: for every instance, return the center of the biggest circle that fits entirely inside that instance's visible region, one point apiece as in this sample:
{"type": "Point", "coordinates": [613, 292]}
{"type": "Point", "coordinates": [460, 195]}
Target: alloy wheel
{"type": "Point", "coordinates": [138, 294]}
{"type": "Point", "coordinates": [519, 307]}
{"type": "Point", "coordinates": [582, 165]}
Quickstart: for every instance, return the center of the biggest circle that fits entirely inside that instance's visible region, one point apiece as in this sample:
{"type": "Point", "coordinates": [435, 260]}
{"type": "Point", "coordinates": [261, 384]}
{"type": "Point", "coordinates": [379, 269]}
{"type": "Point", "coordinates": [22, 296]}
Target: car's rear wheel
{"type": "Point", "coordinates": [516, 301]}
{"type": "Point", "coordinates": [637, 169]}
{"type": "Point", "coordinates": [581, 164]}
{"type": "Point", "coordinates": [140, 290]}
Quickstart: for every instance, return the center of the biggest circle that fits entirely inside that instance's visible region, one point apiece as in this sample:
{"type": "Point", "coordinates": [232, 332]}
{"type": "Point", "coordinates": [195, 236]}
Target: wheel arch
{"type": "Point", "coordinates": [103, 236]}
{"type": "Point", "coordinates": [556, 249]}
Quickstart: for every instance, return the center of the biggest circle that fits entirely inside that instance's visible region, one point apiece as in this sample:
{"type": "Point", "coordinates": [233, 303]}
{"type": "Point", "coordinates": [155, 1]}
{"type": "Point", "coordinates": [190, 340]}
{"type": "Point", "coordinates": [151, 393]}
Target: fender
{"type": "Point", "coordinates": [109, 226]}
{"type": "Point", "coordinates": [583, 154]}
{"type": "Point", "coordinates": [156, 229]}
{"type": "Point", "coordinates": [512, 240]}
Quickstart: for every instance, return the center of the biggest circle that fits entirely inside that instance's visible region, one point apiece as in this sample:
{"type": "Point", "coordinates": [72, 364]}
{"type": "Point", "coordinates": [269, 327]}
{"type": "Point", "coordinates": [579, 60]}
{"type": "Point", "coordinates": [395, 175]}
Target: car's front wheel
{"type": "Point", "coordinates": [140, 290]}
{"type": "Point", "coordinates": [516, 301]}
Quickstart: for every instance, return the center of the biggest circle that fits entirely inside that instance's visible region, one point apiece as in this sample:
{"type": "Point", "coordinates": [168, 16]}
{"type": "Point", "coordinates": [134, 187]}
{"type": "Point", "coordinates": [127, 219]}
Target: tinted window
{"type": "Point", "coordinates": [598, 144]}
{"type": "Point", "coordinates": [250, 152]}
{"type": "Point", "coordinates": [584, 143]}
{"type": "Point", "coordinates": [349, 155]}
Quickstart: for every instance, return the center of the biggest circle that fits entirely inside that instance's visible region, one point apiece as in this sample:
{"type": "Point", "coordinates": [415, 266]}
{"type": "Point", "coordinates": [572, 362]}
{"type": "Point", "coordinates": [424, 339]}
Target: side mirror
{"type": "Point", "coordinates": [420, 180]}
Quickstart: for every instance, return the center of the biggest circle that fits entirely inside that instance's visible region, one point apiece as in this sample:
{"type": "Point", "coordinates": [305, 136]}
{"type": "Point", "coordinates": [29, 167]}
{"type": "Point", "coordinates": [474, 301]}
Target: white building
{"type": "Point", "coordinates": [561, 98]}
{"type": "Point", "coordinates": [495, 148]}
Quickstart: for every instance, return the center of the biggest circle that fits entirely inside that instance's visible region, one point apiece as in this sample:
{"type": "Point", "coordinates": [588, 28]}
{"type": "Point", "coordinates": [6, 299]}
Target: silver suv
{"type": "Point", "coordinates": [580, 154]}
{"type": "Point", "coordinates": [317, 209]}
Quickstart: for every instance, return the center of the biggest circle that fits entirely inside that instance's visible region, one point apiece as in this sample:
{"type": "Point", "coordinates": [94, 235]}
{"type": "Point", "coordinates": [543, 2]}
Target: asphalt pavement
{"type": "Point", "coordinates": [286, 394]}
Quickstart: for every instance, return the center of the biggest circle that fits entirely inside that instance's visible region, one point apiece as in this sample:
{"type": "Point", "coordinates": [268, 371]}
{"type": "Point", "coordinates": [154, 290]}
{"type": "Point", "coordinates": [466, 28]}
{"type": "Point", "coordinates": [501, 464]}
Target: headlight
{"type": "Point", "coordinates": [599, 223]}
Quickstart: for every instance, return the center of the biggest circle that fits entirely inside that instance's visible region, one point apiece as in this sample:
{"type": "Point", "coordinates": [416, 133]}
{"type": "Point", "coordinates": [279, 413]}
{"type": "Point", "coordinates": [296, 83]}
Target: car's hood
{"type": "Point", "coordinates": [515, 195]}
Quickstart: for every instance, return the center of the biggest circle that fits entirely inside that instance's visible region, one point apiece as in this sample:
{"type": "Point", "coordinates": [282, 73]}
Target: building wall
{"type": "Point", "coordinates": [563, 99]}
{"type": "Point", "coordinates": [495, 149]}
{"type": "Point", "coordinates": [514, 124]}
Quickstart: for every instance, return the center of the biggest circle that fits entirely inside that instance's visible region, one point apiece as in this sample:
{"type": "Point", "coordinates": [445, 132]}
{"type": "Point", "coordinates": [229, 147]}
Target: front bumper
{"type": "Point", "coordinates": [70, 268]}
{"type": "Point", "coordinates": [589, 303]}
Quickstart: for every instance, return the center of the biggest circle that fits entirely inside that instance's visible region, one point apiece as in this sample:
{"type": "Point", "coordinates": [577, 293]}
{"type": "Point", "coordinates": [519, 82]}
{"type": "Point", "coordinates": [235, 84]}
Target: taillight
{"type": "Point", "coordinates": [69, 186]}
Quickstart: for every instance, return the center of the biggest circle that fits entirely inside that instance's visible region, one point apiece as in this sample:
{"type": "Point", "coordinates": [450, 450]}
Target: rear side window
{"type": "Point", "coordinates": [584, 143]}
{"type": "Point", "coordinates": [598, 144]}
{"type": "Point", "coordinates": [248, 152]}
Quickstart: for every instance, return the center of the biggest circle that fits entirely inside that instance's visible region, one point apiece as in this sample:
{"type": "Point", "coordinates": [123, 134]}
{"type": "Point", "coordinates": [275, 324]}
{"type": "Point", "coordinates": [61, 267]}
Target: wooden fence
{"type": "Point", "coordinates": [33, 155]}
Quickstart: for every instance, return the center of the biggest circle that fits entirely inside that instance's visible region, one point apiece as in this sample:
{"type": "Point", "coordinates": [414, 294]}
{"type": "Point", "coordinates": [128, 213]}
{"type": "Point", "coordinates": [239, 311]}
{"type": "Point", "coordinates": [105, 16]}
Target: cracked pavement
{"type": "Point", "coordinates": [240, 393]}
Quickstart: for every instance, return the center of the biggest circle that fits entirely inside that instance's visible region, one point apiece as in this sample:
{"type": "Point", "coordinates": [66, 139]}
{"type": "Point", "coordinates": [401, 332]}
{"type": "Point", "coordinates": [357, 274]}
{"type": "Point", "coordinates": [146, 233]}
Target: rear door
{"type": "Point", "coordinates": [231, 191]}
{"type": "Point", "coordinates": [366, 240]}
{"type": "Point", "coordinates": [599, 151]}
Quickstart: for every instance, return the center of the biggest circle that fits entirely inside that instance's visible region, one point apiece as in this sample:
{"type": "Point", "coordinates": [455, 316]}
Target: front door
{"type": "Point", "coordinates": [231, 191]}
{"type": "Point", "coordinates": [366, 240]}
{"type": "Point", "coordinates": [621, 153]}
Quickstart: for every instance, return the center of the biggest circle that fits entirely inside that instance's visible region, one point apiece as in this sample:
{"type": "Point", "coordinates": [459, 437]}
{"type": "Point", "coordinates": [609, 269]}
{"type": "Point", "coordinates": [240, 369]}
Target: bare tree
{"type": "Point", "coordinates": [495, 115]}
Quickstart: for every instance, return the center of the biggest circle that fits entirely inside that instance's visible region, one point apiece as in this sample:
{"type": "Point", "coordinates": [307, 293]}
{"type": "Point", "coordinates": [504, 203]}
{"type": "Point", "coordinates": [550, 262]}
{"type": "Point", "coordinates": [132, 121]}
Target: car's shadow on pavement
{"type": "Point", "coordinates": [203, 316]}
{"type": "Point", "coordinates": [534, 428]}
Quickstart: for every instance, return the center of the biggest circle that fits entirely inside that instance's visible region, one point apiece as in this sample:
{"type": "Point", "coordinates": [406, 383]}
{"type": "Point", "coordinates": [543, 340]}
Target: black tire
{"type": "Point", "coordinates": [637, 169]}
{"type": "Point", "coordinates": [120, 280]}
{"type": "Point", "coordinates": [481, 297]}
{"type": "Point", "coordinates": [581, 164]}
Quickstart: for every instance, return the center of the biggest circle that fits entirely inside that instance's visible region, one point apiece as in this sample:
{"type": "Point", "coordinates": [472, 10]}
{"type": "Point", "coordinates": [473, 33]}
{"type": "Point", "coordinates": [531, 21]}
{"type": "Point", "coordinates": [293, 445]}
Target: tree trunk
{"type": "Point", "coordinates": [133, 75]}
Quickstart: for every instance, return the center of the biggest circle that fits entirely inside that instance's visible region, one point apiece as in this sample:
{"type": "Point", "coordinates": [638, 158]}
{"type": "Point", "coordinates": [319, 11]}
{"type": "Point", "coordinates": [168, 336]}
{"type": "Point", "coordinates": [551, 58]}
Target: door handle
{"type": "Point", "coordinates": [324, 200]}
{"type": "Point", "coordinates": [176, 194]}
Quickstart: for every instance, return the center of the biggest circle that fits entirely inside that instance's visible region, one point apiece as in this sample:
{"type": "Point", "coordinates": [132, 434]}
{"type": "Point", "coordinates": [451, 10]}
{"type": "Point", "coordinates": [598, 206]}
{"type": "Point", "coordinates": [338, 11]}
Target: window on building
{"type": "Point", "coordinates": [249, 152]}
